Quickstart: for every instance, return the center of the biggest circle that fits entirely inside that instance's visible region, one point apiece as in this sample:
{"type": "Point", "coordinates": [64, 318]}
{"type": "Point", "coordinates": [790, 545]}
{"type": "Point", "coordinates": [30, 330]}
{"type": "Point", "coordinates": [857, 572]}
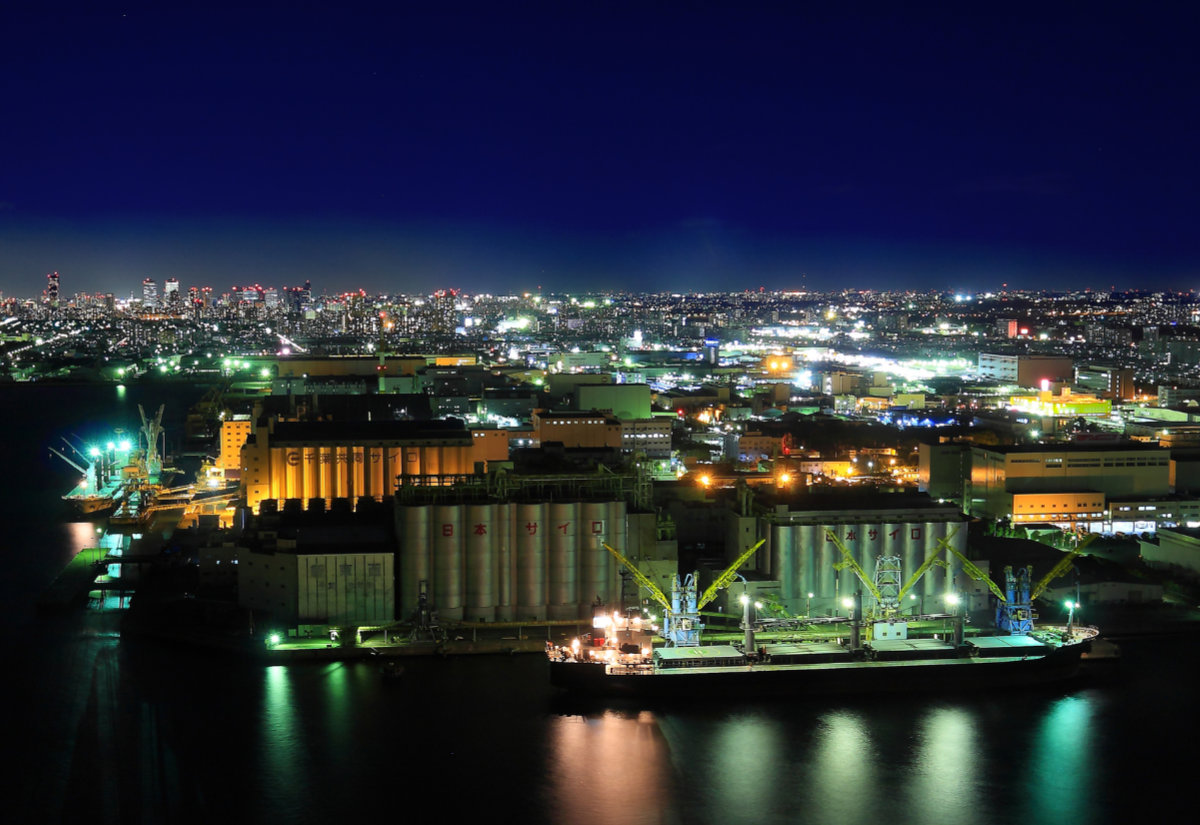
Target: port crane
{"type": "Point", "coordinates": [1014, 602]}
{"type": "Point", "coordinates": [681, 612]}
{"type": "Point", "coordinates": [885, 587]}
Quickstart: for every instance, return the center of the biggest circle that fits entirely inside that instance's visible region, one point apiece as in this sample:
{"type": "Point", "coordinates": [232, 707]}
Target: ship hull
{"type": "Point", "coordinates": [859, 677]}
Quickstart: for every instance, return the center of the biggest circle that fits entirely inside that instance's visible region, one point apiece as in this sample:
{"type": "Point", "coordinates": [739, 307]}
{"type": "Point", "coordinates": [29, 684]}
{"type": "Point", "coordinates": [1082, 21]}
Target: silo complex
{"type": "Point", "coordinates": [510, 561]}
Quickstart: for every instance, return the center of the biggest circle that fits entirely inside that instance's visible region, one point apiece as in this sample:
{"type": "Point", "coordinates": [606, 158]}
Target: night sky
{"type": "Point", "coordinates": [578, 144]}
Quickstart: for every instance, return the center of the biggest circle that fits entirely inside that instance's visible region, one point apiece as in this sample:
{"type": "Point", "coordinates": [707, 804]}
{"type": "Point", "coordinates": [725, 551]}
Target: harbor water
{"type": "Point", "coordinates": [107, 729]}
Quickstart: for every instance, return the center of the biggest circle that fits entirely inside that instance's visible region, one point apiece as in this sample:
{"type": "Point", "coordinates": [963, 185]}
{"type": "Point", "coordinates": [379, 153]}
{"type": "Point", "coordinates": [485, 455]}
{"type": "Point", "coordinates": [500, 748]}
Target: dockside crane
{"type": "Point", "coordinates": [681, 613]}
{"type": "Point", "coordinates": [885, 587]}
{"type": "Point", "coordinates": [1014, 604]}
{"type": "Point", "coordinates": [1063, 567]}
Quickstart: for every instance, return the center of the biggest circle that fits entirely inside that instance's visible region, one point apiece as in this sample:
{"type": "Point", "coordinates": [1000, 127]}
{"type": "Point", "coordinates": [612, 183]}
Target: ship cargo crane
{"type": "Point", "coordinates": [681, 613]}
{"type": "Point", "coordinates": [1014, 611]}
{"type": "Point", "coordinates": [1064, 565]}
{"type": "Point", "coordinates": [883, 588]}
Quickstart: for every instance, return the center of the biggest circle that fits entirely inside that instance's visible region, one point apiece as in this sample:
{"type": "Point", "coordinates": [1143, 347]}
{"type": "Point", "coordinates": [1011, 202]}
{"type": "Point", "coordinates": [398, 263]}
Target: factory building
{"type": "Point", "coordinates": [1070, 485]}
{"type": "Point", "coordinates": [651, 436]}
{"type": "Point", "coordinates": [1025, 370]}
{"type": "Point", "coordinates": [624, 401]}
{"type": "Point", "coordinates": [941, 469]}
{"type": "Point", "coordinates": [1106, 380]}
{"type": "Point", "coordinates": [320, 584]}
{"type": "Point", "coordinates": [577, 429]}
{"type": "Point", "coordinates": [234, 432]}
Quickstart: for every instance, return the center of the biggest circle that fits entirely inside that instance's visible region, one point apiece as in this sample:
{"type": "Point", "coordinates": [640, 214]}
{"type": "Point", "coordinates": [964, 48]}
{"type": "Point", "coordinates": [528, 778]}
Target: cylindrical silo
{"type": "Point", "coordinates": [827, 556]}
{"type": "Point", "coordinates": [530, 546]}
{"type": "Point", "coordinates": [504, 563]}
{"type": "Point", "coordinates": [562, 561]}
{"type": "Point", "coordinates": [783, 560]}
{"type": "Point", "coordinates": [806, 554]}
{"type": "Point", "coordinates": [618, 537]}
{"type": "Point", "coordinates": [594, 560]}
{"type": "Point", "coordinates": [479, 602]}
{"type": "Point", "coordinates": [448, 561]}
{"type": "Point", "coordinates": [937, 580]}
{"type": "Point", "coordinates": [414, 555]}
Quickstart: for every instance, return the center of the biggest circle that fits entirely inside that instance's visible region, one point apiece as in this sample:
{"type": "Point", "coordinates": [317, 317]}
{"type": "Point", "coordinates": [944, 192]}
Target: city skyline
{"type": "Point", "coordinates": [674, 148]}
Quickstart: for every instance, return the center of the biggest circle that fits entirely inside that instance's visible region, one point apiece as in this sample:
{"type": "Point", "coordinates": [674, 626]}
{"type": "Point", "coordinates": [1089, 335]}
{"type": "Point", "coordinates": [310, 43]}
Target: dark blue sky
{"type": "Point", "coordinates": [641, 145]}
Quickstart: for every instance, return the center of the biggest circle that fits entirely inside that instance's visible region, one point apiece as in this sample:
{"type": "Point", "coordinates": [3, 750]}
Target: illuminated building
{"type": "Point", "coordinates": [171, 296]}
{"type": "Point", "coordinates": [1065, 484]}
{"type": "Point", "coordinates": [234, 432]}
{"type": "Point", "coordinates": [651, 436]}
{"type": "Point", "coordinates": [1047, 405]}
{"type": "Point", "coordinates": [1106, 380]}
{"type": "Point", "coordinates": [52, 289]}
{"type": "Point", "coordinates": [352, 459]}
{"type": "Point", "coordinates": [1025, 370]}
{"type": "Point", "coordinates": [589, 428]}
{"type": "Point", "coordinates": [149, 292]}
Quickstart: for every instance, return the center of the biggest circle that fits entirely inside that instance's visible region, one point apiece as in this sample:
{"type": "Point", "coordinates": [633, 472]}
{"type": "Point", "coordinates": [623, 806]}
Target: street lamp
{"type": "Point", "coordinates": [1071, 606]}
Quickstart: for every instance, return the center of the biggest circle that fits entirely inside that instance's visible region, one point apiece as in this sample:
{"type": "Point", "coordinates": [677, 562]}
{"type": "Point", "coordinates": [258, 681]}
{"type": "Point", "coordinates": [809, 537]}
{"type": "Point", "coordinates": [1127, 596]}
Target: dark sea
{"type": "Point", "coordinates": [104, 730]}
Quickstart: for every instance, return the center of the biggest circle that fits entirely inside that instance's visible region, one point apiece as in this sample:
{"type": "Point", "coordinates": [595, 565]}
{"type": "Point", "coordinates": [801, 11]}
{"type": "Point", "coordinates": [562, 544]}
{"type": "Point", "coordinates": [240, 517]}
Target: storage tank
{"type": "Point", "coordinates": [413, 561]}
{"type": "Point", "coordinates": [827, 556]}
{"type": "Point", "coordinates": [504, 562]}
{"type": "Point", "coordinates": [562, 561]}
{"type": "Point", "coordinates": [479, 602]}
{"type": "Point", "coordinates": [448, 561]}
{"type": "Point", "coordinates": [806, 555]}
{"type": "Point", "coordinates": [530, 531]}
{"type": "Point", "coordinates": [618, 537]}
{"type": "Point", "coordinates": [936, 580]}
{"type": "Point", "coordinates": [594, 560]}
{"type": "Point", "coordinates": [783, 561]}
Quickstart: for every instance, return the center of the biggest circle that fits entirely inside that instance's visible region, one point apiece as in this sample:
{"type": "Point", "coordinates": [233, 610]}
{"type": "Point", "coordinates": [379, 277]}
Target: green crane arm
{"type": "Point", "coordinates": [934, 559]}
{"type": "Point", "coordinates": [641, 579]}
{"type": "Point", "coordinates": [978, 575]}
{"type": "Point", "coordinates": [929, 562]}
{"type": "Point", "coordinates": [1061, 568]}
{"type": "Point", "coordinates": [849, 561]}
{"type": "Point", "coordinates": [725, 579]}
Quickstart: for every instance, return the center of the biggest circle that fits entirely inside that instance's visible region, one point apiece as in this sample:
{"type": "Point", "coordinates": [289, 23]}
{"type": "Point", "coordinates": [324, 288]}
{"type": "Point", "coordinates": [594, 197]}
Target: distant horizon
{"type": "Point", "coordinates": [340, 256]}
{"type": "Point", "coordinates": [670, 146]}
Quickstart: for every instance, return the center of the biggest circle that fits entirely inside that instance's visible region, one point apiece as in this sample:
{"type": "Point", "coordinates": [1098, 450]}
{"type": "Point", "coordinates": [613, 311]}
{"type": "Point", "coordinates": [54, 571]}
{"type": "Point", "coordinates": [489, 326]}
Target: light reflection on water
{"type": "Point", "coordinates": [1061, 767]}
{"type": "Point", "coordinates": [946, 784]}
{"type": "Point", "coordinates": [608, 769]}
{"type": "Point", "coordinates": [892, 761]}
{"type": "Point", "coordinates": [841, 772]}
{"type": "Point", "coordinates": [283, 745]}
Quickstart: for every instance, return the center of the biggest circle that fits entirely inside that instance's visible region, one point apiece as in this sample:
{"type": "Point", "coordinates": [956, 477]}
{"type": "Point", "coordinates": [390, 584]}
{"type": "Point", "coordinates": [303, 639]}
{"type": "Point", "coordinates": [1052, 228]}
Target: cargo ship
{"type": "Point", "coordinates": [860, 652]}
{"type": "Point", "coordinates": [104, 476]}
{"type": "Point", "coordinates": [822, 667]}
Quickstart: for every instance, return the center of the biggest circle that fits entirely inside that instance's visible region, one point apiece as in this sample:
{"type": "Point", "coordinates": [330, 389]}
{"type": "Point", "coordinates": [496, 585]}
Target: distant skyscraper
{"type": "Point", "coordinates": [52, 289]}
{"type": "Point", "coordinates": [149, 292]}
{"type": "Point", "coordinates": [171, 296]}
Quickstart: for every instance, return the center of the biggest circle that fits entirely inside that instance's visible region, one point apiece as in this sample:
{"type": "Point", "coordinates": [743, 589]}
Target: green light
{"type": "Point", "coordinates": [274, 640]}
{"type": "Point", "coordinates": [94, 452]}
{"type": "Point", "coordinates": [265, 373]}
